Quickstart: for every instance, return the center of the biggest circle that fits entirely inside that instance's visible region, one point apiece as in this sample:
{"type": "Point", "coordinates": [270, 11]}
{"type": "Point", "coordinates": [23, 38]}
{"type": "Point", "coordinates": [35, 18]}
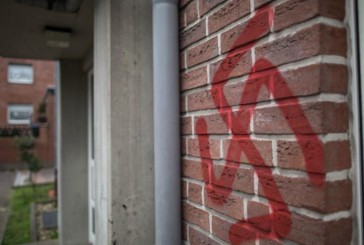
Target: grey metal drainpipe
{"type": "Point", "coordinates": [166, 122]}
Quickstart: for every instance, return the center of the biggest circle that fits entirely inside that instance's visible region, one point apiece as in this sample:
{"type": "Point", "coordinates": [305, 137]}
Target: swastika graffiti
{"type": "Point", "coordinates": [278, 220]}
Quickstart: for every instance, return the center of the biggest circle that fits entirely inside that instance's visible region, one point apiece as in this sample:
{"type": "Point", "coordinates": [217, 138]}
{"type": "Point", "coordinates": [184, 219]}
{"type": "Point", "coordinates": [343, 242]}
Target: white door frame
{"type": "Point", "coordinates": [91, 155]}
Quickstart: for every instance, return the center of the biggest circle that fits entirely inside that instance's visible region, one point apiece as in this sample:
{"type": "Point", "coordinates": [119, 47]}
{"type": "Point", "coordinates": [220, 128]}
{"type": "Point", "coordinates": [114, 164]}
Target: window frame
{"type": "Point", "coordinates": [20, 80]}
{"type": "Point", "coordinates": [11, 108]}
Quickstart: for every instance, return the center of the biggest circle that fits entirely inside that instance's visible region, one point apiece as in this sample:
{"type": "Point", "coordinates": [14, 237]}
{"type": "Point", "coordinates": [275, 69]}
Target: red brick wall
{"type": "Point", "coordinates": [10, 93]}
{"type": "Point", "coordinates": [264, 120]}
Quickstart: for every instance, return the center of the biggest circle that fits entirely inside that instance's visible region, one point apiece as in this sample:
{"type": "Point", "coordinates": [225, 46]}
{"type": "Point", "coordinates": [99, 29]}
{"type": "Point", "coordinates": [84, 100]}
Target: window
{"type": "Point", "coordinates": [19, 114]}
{"type": "Point", "coordinates": [20, 73]}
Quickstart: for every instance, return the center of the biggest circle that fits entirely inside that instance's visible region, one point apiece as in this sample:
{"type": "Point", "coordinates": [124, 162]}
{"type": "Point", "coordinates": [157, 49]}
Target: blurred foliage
{"type": "Point", "coordinates": [25, 145]}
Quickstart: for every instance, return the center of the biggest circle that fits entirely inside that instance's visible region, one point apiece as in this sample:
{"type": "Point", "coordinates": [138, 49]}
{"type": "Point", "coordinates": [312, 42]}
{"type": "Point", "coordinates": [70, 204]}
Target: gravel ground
{"type": "Point", "coordinates": [42, 233]}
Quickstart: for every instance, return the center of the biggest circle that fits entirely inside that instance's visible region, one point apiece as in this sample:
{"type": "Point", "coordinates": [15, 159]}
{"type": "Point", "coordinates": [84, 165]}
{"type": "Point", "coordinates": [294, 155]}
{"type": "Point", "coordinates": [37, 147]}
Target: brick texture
{"type": "Point", "coordinates": [231, 11]}
{"type": "Point", "coordinates": [193, 34]}
{"type": "Point", "coordinates": [312, 41]}
{"type": "Point", "coordinates": [193, 79]}
{"type": "Point", "coordinates": [234, 65]}
{"type": "Point", "coordinates": [202, 100]}
{"type": "Point", "coordinates": [196, 216]}
{"type": "Point", "coordinates": [322, 117]}
{"type": "Point", "coordinates": [243, 181]}
{"type": "Point", "coordinates": [191, 12]}
{"type": "Point", "coordinates": [207, 5]}
{"type": "Point", "coordinates": [299, 192]}
{"type": "Point", "coordinates": [195, 192]}
{"type": "Point", "coordinates": [197, 150]}
{"type": "Point", "coordinates": [295, 11]}
{"type": "Point", "coordinates": [198, 238]}
{"type": "Point", "coordinates": [336, 157]}
{"type": "Point", "coordinates": [202, 52]}
{"type": "Point", "coordinates": [266, 155]}
{"type": "Point", "coordinates": [231, 206]}
{"type": "Point", "coordinates": [252, 30]}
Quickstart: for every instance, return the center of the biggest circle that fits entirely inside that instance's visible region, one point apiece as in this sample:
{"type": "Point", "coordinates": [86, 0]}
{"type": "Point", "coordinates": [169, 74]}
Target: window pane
{"type": "Point", "coordinates": [19, 114]}
{"type": "Point", "coordinates": [18, 73]}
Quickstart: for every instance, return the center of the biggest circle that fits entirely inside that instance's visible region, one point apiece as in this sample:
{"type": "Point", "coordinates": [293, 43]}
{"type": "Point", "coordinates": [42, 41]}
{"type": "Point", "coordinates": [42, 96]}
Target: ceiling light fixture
{"type": "Point", "coordinates": [57, 37]}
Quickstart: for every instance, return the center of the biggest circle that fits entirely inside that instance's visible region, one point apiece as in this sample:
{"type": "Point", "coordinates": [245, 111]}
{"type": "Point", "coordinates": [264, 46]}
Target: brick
{"type": "Point", "coordinates": [203, 100]}
{"type": "Point", "coordinates": [296, 11]}
{"type": "Point", "coordinates": [235, 64]}
{"type": "Point", "coordinates": [260, 3]}
{"type": "Point", "coordinates": [207, 5]}
{"type": "Point", "coordinates": [183, 3]}
{"type": "Point", "coordinates": [202, 52]}
{"type": "Point", "coordinates": [230, 12]}
{"type": "Point", "coordinates": [216, 124]}
{"type": "Point", "coordinates": [334, 78]}
{"type": "Point", "coordinates": [336, 155]}
{"type": "Point", "coordinates": [193, 34]}
{"type": "Point", "coordinates": [232, 149]}
{"type": "Point", "coordinates": [195, 192]}
{"type": "Point", "coordinates": [234, 234]}
{"type": "Point", "coordinates": [184, 186]}
{"type": "Point", "coordinates": [259, 215]}
{"type": "Point", "coordinates": [220, 228]}
{"type": "Point", "coordinates": [193, 169]}
{"type": "Point", "coordinates": [186, 125]}
{"type": "Point", "coordinates": [322, 117]}
{"type": "Point", "coordinates": [223, 201]}
{"type": "Point", "coordinates": [194, 79]}
{"type": "Point", "coordinates": [231, 176]}
{"type": "Point", "coordinates": [254, 28]}
{"type": "Point", "coordinates": [183, 105]}
{"type": "Point", "coordinates": [183, 146]}
{"type": "Point", "coordinates": [270, 242]}
{"type": "Point", "coordinates": [319, 39]}
{"type": "Point", "coordinates": [312, 79]}
{"type": "Point", "coordinates": [191, 12]}
{"type": "Point", "coordinates": [240, 121]}
{"type": "Point", "coordinates": [246, 92]}
{"type": "Point", "coordinates": [300, 192]}
{"type": "Point", "coordinates": [308, 231]}
{"type": "Point", "coordinates": [198, 238]}
{"type": "Point", "coordinates": [182, 20]}
{"type": "Point", "coordinates": [182, 62]}
{"type": "Point", "coordinates": [212, 150]}
{"type": "Point", "coordinates": [196, 216]}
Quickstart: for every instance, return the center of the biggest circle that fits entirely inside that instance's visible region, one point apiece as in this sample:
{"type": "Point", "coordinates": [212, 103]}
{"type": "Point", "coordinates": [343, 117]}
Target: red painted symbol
{"type": "Point", "coordinates": [279, 220]}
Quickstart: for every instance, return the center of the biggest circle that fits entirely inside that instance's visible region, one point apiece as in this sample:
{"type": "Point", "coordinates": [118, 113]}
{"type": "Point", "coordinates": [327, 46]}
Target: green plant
{"type": "Point", "coordinates": [42, 115]}
{"type": "Point", "coordinates": [42, 108]}
{"type": "Point", "coordinates": [25, 145]}
{"type": "Point", "coordinates": [54, 234]}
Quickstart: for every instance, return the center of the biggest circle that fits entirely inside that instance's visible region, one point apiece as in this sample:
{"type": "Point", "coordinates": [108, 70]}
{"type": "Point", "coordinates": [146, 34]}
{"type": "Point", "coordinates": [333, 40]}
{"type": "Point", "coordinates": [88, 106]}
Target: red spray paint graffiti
{"type": "Point", "coordinates": [279, 220]}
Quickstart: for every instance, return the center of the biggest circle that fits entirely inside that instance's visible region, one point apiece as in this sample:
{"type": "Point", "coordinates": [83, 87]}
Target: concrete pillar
{"type": "Point", "coordinates": [72, 154]}
{"type": "Point", "coordinates": [124, 122]}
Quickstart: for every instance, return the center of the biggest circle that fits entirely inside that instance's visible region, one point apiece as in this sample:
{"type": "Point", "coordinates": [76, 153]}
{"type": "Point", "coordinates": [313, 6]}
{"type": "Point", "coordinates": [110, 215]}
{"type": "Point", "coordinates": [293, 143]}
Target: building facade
{"type": "Point", "coordinates": [203, 121]}
{"type": "Point", "coordinates": [23, 87]}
